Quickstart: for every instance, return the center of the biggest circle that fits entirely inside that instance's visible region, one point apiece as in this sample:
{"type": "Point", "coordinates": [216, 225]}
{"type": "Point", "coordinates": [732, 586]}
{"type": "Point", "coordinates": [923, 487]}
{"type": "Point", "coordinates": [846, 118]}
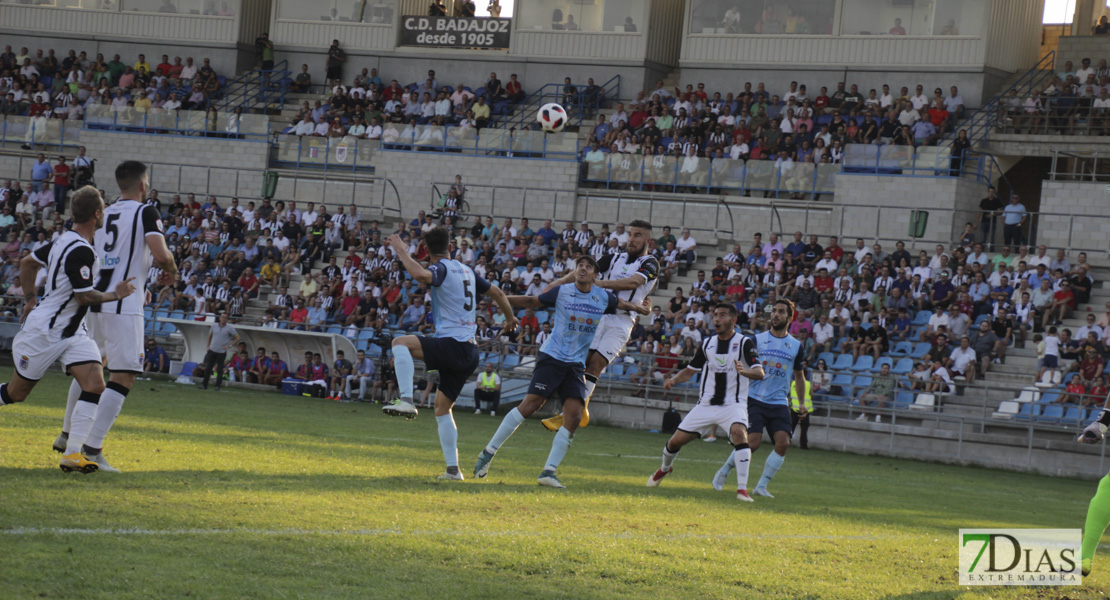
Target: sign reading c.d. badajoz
{"type": "Point", "coordinates": [456, 32]}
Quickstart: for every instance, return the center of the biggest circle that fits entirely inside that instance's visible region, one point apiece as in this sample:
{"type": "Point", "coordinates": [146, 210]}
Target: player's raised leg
{"type": "Point", "coordinates": [406, 350]}
{"type": "Point", "coordinates": [531, 403]}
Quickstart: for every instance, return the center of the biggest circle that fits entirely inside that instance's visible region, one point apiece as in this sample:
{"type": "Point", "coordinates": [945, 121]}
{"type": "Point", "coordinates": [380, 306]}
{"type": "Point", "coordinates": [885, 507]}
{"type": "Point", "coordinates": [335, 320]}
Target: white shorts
{"type": "Point", "coordinates": [704, 416]}
{"type": "Point", "coordinates": [612, 336]}
{"type": "Point", "coordinates": [120, 338]}
{"type": "Point", "coordinates": [34, 353]}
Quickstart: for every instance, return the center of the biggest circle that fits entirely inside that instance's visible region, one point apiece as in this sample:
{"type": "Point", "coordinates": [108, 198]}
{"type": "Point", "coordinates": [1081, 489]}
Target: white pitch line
{"type": "Point", "coordinates": [295, 532]}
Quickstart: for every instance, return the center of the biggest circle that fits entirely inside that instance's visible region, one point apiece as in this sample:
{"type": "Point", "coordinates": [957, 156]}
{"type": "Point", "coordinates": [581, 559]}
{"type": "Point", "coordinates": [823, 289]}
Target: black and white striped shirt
{"type": "Point", "coordinates": [71, 268]}
{"type": "Point", "coordinates": [716, 359]}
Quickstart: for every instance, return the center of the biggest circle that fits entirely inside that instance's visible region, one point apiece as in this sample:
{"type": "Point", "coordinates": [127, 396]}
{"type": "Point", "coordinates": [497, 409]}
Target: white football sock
{"type": "Point", "coordinates": [111, 402]}
{"type": "Point", "coordinates": [71, 403]}
{"type": "Point", "coordinates": [84, 413]}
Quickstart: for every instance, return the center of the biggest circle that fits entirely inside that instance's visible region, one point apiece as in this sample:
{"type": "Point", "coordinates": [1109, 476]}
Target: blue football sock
{"type": "Point", "coordinates": [774, 461]}
{"type": "Point", "coordinates": [559, 448]}
{"type": "Point", "coordinates": [405, 369]}
{"type": "Point", "coordinates": [449, 439]}
{"type": "Point", "coordinates": [730, 463]}
{"type": "Point", "coordinates": [507, 427]}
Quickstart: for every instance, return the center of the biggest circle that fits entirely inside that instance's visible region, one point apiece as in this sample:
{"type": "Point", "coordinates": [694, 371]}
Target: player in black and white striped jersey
{"type": "Point", "coordinates": [130, 242]}
{"type": "Point", "coordinates": [54, 329]}
{"type": "Point", "coordinates": [727, 361]}
{"type": "Point", "coordinates": [631, 275]}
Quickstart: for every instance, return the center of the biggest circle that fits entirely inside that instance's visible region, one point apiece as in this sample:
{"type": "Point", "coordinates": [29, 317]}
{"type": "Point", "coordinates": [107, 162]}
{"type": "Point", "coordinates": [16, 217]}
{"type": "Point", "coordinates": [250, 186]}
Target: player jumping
{"type": "Point", "coordinates": [632, 276]}
{"type": "Point", "coordinates": [768, 398]}
{"type": "Point", "coordinates": [132, 239]}
{"type": "Point", "coordinates": [560, 365]}
{"type": "Point", "coordinates": [55, 329]}
{"type": "Point", "coordinates": [455, 289]}
{"type": "Point", "coordinates": [727, 361]}
{"type": "Point", "coordinates": [1098, 512]}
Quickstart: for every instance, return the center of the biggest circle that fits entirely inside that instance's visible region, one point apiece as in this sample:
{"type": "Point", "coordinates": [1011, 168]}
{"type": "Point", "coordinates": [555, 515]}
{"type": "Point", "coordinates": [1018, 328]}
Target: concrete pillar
{"type": "Point", "coordinates": [1084, 18]}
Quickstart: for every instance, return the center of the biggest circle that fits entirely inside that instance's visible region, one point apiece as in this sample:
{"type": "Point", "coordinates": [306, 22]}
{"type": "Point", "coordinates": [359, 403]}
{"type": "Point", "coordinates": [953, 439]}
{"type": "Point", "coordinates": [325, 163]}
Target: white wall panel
{"type": "Point", "coordinates": [1013, 42]}
{"type": "Point", "coordinates": [578, 44]}
{"type": "Point", "coordinates": [121, 24]}
{"type": "Point", "coordinates": [849, 52]}
{"type": "Point", "coordinates": [351, 36]}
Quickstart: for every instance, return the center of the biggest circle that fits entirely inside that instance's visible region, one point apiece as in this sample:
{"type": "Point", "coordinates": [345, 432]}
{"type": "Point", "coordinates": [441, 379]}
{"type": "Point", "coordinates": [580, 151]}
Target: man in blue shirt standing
{"type": "Point", "coordinates": [455, 291]}
{"type": "Point", "coordinates": [561, 363]}
{"type": "Point", "coordinates": [768, 398]}
{"type": "Point", "coordinates": [40, 171]}
{"type": "Point", "coordinates": [1013, 218]}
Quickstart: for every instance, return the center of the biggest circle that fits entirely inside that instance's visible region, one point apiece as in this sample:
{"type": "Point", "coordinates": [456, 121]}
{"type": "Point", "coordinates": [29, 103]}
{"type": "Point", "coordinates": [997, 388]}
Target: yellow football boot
{"type": "Point", "coordinates": [77, 462]}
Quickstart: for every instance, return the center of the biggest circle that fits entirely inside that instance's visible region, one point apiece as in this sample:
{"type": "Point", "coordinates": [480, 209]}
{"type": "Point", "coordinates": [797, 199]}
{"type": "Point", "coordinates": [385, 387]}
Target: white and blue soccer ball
{"type": "Point", "coordinates": [552, 118]}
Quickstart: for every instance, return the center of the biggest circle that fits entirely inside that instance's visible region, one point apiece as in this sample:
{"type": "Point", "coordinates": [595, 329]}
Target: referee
{"type": "Point", "coordinates": [222, 337]}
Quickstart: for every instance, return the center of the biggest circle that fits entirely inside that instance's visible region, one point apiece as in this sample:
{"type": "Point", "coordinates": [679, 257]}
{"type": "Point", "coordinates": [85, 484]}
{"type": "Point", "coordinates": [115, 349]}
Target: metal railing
{"type": "Point", "coordinates": [1077, 117]}
{"type": "Point", "coordinates": [501, 202]}
{"type": "Point", "coordinates": [1078, 166]}
{"type": "Point", "coordinates": [494, 143]}
{"type": "Point", "coordinates": [39, 133]}
{"type": "Point", "coordinates": [258, 88]}
{"type": "Point", "coordinates": [981, 123]}
{"type": "Point", "coordinates": [248, 127]}
{"type": "Point", "coordinates": [579, 105]}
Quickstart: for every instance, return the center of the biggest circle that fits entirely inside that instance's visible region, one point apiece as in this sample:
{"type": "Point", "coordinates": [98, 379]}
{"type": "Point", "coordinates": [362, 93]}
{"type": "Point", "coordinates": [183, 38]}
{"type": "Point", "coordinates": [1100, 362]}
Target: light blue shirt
{"type": "Point", "coordinates": [780, 358]}
{"type": "Point", "coordinates": [577, 315]}
{"type": "Point", "coordinates": [455, 292]}
{"type": "Point", "coordinates": [1013, 213]}
{"type": "Point", "coordinates": [41, 170]}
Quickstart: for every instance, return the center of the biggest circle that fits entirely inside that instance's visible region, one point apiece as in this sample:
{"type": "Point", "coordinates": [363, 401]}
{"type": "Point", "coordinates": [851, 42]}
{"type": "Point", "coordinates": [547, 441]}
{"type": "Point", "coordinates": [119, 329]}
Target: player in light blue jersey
{"type": "Point", "coordinates": [768, 398]}
{"type": "Point", "coordinates": [455, 290]}
{"type": "Point", "coordinates": [561, 363]}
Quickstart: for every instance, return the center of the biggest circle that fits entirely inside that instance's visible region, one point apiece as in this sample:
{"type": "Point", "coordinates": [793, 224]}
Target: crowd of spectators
{"type": "Point", "coordinates": [796, 126]}
{"type": "Point", "coordinates": [1074, 101]}
{"type": "Point", "coordinates": [43, 86]}
{"type": "Point", "coordinates": [364, 109]}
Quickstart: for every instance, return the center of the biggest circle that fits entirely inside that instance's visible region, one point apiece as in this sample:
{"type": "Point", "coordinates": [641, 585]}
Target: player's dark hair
{"type": "Point", "coordinates": [789, 306]}
{"type": "Point", "coordinates": [642, 224]}
{"type": "Point", "coordinates": [129, 173]}
{"type": "Point", "coordinates": [84, 203]}
{"type": "Point", "coordinates": [586, 258]}
{"type": "Point", "coordinates": [728, 307]}
{"type": "Point", "coordinates": [437, 239]}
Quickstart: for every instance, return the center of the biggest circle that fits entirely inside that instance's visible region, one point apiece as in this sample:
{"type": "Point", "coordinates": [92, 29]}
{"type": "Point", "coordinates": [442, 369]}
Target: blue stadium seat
{"type": "Point", "coordinates": [1049, 396]}
{"type": "Point", "coordinates": [861, 383]}
{"type": "Point", "coordinates": [865, 326]}
{"type": "Point", "coordinates": [904, 366]}
{"type": "Point", "coordinates": [883, 360]}
{"type": "Point", "coordinates": [922, 317]}
{"type": "Point", "coordinates": [843, 363]}
{"type": "Point", "coordinates": [543, 316]}
{"type": "Point", "coordinates": [510, 361]}
{"type": "Point", "coordinates": [828, 357]}
{"type": "Point", "coordinates": [1052, 413]}
{"type": "Point", "coordinates": [903, 399]}
{"type": "Point", "coordinates": [864, 363]}
{"type": "Point", "coordinates": [920, 350]}
{"type": "Point", "coordinates": [839, 344]}
{"type": "Point", "coordinates": [1072, 416]}
{"type": "Point", "coordinates": [902, 349]}
{"type": "Point", "coordinates": [844, 380]}
{"type": "Point", "coordinates": [1028, 411]}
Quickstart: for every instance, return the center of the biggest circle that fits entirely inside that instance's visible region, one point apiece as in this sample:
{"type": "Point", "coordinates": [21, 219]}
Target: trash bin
{"type": "Point", "coordinates": [919, 222]}
{"type": "Point", "coordinates": [269, 183]}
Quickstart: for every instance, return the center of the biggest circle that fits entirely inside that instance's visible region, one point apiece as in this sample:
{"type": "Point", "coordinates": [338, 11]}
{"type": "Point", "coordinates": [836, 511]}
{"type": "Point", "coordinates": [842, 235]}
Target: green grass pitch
{"type": "Point", "coordinates": [250, 495]}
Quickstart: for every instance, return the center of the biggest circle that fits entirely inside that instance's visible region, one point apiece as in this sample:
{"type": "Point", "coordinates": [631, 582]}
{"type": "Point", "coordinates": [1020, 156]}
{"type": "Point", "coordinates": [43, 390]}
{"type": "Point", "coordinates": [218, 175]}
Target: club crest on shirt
{"type": "Point", "coordinates": [160, 226]}
{"type": "Point", "coordinates": [24, 361]}
{"type": "Point", "coordinates": [85, 273]}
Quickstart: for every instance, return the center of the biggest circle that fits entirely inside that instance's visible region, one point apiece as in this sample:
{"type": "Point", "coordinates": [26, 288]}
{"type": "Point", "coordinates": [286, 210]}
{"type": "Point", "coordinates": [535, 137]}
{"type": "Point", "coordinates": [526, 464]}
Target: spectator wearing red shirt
{"type": "Point", "coordinates": [837, 251]}
{"type": "Point", "coordinates": [736, 289]}
{"type": "Point", "coordinates": [1097, 393]}
{"type": "Point", "coordinates": [514, 90]}
{"type": "Point", "coordinates": [1075, 392]}
{"type": "Point", "coordinates": [823, 282]}
{"type": "Point", "coordinates": [665, 363]}
{"type": "Point", "coordinates": [299, 315]}
{"type": "Point", "coordinates": [249, 283]}
{"type": "Point", "coordinates": [392, 293]}
{"type": "Point", "coordinates": [1062, 302]}
{"type": "Point", "coordinates": [164, 66]}
{"type": "Point", "coordinates": [529, 318]}
{"type": "Point", "coordinates": [821, 102]}
{"type": "Point", "coordinates": [1091, 367]}
{"type": "Point", "coordinates": [937, 115]}
{"type": "Point", "coordinates": [37, 109]}
{"type": "Point", "coordinates": [61, 184]}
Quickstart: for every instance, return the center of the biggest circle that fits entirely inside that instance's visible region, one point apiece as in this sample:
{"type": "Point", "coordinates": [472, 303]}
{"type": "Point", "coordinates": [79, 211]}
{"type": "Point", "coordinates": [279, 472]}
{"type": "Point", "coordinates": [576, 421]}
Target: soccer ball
{"type": "Point", "coordinates": [552, 117]}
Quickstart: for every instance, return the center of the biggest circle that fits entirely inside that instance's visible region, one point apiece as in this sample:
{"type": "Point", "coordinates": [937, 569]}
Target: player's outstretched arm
{"type": "Point", "coordinates": [643, 307]}
{"type": "Point", "coordinates": [401, 251]}
{"type": "Point", "coordinates": [28, 275]}
{"type": "Point", "coordinates": [91, 297]}
{"type": "Point", "coordinates": [498, 296]}
{"type": "Point", "coordinates": [681, 377]}
{"type": "Point", "coordinates": [568, 278]}
{"type": "Point", "coordinates": [524, 301]}
{"type": "Point", "coordinates": [622, 285]}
